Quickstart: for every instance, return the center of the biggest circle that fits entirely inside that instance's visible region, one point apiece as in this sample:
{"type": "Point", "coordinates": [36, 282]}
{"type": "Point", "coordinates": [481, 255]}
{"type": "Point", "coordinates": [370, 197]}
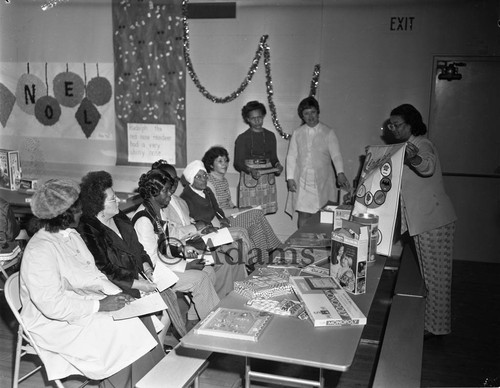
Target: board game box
{"type": "Point", "coordinates": [326, 301]}
{"type": "Point", "coordinates": [235, 323]}
{"type": "Point", "coordinates": [349, 256]}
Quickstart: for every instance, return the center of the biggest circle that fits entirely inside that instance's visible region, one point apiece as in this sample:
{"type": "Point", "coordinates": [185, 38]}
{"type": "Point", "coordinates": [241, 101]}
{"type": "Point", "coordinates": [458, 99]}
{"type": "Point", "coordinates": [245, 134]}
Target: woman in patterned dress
{"type": "Point", "coordinates": [427, 214]}
{"type": "Point", "coordinates": [216, 161]}
{"type": "Point", "coordinates": [254, 152]}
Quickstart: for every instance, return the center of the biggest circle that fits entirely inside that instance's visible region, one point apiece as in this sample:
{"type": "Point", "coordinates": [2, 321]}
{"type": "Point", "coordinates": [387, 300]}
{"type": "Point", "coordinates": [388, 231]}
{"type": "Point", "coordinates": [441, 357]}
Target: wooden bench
{"type": "Point", "coordinates": [409, 281]}
{"type": "Point", "coordinates": [180, 368]}
{"type": "Point", "coordinates": [400, 359]}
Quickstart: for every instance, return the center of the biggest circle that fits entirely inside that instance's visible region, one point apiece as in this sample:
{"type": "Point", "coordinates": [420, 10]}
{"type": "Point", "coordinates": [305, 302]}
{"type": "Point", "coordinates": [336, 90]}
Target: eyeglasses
{"type": "Point", "coordinates": [114, 198]}
{"type": "Point", "coordinates": [201, 176]}
{"type": "Point", "coordinates": [394, 126]}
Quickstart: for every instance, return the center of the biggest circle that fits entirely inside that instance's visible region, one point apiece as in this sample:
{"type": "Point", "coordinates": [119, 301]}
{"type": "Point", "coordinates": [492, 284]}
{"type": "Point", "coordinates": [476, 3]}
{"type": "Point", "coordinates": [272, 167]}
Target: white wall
{"type": "Point", "coordinates": [366, 69]}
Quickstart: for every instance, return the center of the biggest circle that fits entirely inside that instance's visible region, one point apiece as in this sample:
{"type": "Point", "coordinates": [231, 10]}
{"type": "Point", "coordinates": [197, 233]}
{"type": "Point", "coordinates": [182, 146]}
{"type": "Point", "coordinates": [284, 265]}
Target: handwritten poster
{"type": "Point", "coordinates": [378, 190]}
{"type": "Point", "coordinates": [149, 142]}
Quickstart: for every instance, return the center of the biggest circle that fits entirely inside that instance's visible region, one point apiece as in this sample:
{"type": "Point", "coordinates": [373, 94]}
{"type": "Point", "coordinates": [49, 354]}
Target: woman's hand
{"type": "Point", "coordinates": [225, 223]}
{"type": "Point", "coordinates": [208, 229]}
{"type": "Point", "coordinates": [190, 252]}
{"type": "Point", "coordinates": [254, 173]}
{"type": "Point", "coordinates": [148, 271]}
{"type": "Point", "coordinates": [343, 182]}
{"type": "Point", "coordinates": [411, 154]}
{"type": "Point", "coordinates": [200, 225]}
{"type": "Point", "coordinates": [279, 167]}
{"type": "Point", "coordinates": [114, 302]}
{"type": "Point", "coordinates": [197, 264]}
{"type": "Point", "coordinates": [291, 185]}
{"type": "Point", "coordinates": [144, 285]}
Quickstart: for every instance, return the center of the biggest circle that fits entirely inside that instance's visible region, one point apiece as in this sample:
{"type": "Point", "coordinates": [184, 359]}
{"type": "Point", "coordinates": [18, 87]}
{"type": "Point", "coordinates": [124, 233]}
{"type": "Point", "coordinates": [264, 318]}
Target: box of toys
{"type": "Point", "coordinates": [349, 256]}
{"type": "Point", "coordinates": [334, 214]}
{"type": "Point", "coordinates": [10, 169]}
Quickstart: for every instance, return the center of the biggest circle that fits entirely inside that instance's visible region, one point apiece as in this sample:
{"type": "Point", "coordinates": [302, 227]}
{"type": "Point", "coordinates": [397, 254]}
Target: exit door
{"type": "Point", "coordinates": [464, 124]}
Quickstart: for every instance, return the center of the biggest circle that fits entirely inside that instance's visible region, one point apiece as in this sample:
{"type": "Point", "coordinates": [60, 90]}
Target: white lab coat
{"type": "Point", "coordinates": [60, 289]}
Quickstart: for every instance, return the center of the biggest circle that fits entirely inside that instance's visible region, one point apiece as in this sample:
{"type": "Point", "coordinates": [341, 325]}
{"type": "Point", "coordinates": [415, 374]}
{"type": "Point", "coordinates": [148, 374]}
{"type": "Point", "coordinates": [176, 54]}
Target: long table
{"type": "Point", "coordinates": [291, 340]}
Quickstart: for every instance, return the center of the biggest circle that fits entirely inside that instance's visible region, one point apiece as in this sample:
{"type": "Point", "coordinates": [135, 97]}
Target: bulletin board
{"type": "Point", "coordinates": [150, 84]}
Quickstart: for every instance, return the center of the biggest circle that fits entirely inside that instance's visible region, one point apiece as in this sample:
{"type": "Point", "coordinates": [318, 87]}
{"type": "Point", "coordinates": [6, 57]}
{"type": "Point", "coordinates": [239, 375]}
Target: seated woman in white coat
{"type": "Point", "coordinates": [66, 300]}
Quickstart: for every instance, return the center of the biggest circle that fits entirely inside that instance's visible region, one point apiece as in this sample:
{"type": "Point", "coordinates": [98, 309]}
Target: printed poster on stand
{"type": "Point", "coordinates": [378, 190]}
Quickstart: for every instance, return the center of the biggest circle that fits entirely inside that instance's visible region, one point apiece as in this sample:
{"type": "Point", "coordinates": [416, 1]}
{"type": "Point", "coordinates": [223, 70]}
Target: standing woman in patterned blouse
{"type": "Point", "coordinates": [254, 151]}
{"type": "Point", "coordinates": [216, 161]}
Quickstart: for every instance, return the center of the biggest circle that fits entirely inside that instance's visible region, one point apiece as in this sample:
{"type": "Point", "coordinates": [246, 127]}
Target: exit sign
{"type": "Point", "coordinates": [402, 23]}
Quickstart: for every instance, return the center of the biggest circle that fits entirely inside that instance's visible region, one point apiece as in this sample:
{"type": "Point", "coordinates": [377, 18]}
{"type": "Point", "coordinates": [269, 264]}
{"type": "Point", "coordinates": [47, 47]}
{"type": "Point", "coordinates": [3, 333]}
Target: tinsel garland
{"type": "Point", "coordinates": [263, 48]}
{"type": "Point", "coordinates": [315, 80]}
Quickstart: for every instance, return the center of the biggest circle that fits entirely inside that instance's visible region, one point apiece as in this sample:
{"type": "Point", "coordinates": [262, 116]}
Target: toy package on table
{"type": "Point", "coordinates": [263, 287]}
{"type": "Point", "coordinates": [349, 256]}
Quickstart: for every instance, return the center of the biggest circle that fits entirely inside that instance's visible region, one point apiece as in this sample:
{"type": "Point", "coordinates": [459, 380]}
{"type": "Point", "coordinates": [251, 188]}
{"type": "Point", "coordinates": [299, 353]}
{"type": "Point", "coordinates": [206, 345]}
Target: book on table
{"type": "Point", "coordinates": [311, 240]}
{"type": "Point", "coordinates": [234, 323]}
{"type": "Point", "coordinates": [326, 301]}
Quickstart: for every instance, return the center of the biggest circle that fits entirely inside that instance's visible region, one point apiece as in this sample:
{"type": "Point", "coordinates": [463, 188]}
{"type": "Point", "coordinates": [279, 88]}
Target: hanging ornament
{"type": "Point", "coordinates": [315, 81]}
{"type": "Point", "coordinates": [29, 89]}
{"type": "Point", "coordinates": [47, 108]}
{"type": "Point", "coordinates": [87, 114]}
{"type": "Point", "coordinates": [7, 101]}
{"type": "Point", "coordinates": [68, 88]}
{"type": "Point", "coordinates": [99, 89]}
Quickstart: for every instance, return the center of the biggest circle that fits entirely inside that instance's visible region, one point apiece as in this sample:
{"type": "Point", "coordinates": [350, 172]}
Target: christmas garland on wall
{"type": "Point", "coordinates": [262, 49]}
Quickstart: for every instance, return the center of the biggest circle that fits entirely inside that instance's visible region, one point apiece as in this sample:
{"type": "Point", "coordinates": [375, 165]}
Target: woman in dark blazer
{"type": "Point", "coordinates": [111, 237]}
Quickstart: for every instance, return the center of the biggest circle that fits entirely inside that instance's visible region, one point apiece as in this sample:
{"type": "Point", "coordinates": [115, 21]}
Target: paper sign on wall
{"type": "Point", "coordinates": [149, 142]}
{"type": "Point", "coordinates": [378, 190]}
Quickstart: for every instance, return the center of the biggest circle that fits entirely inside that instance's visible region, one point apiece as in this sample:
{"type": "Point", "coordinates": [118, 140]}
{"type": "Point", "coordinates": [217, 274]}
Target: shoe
{"type": "Point", "coordinates": [167, 348]}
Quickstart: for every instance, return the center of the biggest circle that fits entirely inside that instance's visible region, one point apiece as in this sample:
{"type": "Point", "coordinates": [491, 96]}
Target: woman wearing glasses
{"type": "Point", "coordinates": [255, 151]}
{"type": "Point", "coordinates": [110, 236]}
{"type": "Point", "coordinates": [427, 214]}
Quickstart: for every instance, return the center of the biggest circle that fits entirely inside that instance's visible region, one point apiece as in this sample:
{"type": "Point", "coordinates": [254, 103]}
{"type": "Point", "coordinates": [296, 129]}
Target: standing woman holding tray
{"type": "Point", "coordinates": [427, 214]}
{"type": "Point", "coordinates": [254, 153]}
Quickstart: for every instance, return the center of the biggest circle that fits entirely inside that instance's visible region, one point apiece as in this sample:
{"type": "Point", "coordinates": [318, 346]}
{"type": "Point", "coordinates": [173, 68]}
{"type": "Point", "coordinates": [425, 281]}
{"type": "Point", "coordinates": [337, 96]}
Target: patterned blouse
{"type": "Point", "coordinates": [222, 192]}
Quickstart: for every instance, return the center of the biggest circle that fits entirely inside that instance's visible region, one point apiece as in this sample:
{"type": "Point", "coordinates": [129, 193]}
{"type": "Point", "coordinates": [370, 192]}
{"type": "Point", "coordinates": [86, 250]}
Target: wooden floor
{"type": "Point", "coordinates": [469, 357]}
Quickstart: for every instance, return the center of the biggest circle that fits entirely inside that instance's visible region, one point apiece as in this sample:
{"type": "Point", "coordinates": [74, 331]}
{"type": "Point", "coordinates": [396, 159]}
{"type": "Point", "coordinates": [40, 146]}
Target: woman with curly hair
{"type": "Point", "coordinates": [153, 227]}
{"type": "Point", "coordinates": [153, 232]}
{"type": "Point", "coordinates": [254, 152]}
{"type": "Point", "coordinates": [216, 161]}
{"type": "Point", "coordinates": [110, 236]}
{"type": "Point", "coordinates": [66, 299]}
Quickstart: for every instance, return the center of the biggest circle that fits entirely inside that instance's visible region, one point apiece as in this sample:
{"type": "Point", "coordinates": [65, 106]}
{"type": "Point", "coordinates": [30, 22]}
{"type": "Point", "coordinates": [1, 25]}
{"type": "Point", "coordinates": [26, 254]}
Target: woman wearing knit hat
{"type": "Point", "coordinates": [66, 298]}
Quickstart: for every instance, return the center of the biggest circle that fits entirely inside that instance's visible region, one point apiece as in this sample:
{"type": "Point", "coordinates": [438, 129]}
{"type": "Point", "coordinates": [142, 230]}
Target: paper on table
{"type": "Point", "coordinates": [164, 277]}
{"type": "Point", "coordinates": [218, 238]}
{"type": "Point", "coordinates": [149, 304]}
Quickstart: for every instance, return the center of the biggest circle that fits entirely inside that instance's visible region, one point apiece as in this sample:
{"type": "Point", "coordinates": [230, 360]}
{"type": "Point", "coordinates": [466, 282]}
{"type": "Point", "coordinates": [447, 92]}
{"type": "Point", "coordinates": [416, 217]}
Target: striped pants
{"type": "Point", "coordinates": [435, 256]}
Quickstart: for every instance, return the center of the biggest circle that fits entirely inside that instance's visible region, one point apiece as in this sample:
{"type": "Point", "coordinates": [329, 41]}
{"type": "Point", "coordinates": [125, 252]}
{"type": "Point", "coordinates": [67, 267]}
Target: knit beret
{"type": "Point", "coordinates": [54, 197]}
{"type": "Point", "coordinates": [192, 169]}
